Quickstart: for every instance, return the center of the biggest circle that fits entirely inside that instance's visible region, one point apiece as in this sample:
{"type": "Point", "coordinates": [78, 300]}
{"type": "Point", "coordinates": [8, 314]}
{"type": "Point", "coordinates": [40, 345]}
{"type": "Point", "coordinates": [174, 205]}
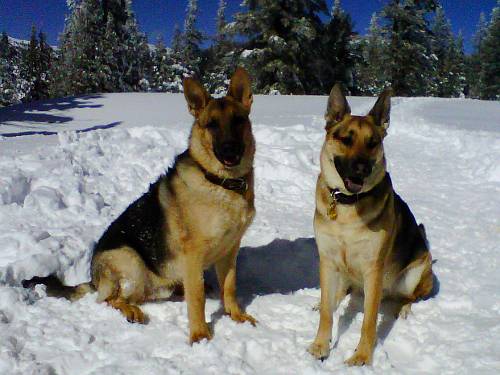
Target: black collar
{"type": "Point", "coordinates": [239, 185]}
{"type": "Point", "coordinates": [342, 198]}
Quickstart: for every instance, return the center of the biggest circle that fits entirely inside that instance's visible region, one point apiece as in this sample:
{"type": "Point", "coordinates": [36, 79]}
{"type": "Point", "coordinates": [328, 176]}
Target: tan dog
{"type": "Point", "coordinates": [190, 219]}
{"type": "Point", "coordinates": [367, 236]}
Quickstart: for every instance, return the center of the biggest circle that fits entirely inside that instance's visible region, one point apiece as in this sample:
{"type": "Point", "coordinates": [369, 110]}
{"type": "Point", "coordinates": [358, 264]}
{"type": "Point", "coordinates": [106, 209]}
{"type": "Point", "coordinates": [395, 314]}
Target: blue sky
{"type": "Point", "coordinates": [158, 17]}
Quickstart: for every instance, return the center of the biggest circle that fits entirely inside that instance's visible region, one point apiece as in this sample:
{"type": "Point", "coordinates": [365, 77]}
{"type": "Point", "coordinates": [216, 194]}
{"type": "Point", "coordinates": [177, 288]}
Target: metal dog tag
{"type": "Point", "coordinates": [332, 210]}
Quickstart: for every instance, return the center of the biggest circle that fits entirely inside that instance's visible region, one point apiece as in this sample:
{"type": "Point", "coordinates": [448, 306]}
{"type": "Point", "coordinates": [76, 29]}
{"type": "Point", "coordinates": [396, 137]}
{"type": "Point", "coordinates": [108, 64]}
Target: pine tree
{"type": "Point", "coordinates": [177, 39]}
{"type": "Point", "coordinates": [481, 31]}
{"type": "Point", "coordinates": [191, 39]}
{"type": "Point", "coordinates": [8, 88]}
{"type": "Point", "coordinates": [137, 58]}
{"type": "Point", "coordinates": [29, 66]}
{"type": "Point", "coordinates": [281, 49]}
{"type": "Point", "coordinates": [102, 49]}
{"type": "Point", "coordinates": [178, 67]}
{"type": "Point", "coordinates": [372, 73]}
{"type": "Point", "coordinates": [412, 65]}
{"type": "Point", "coordinates": [81, 52]}
{"type": "Point", "coordinates": [45, 60]}
{"type": "Point", "coordinates": [490, 59]}
{"type": "Point", "coordinates": [338, 60]}
{"type": "Point", "coordinates": [166, 73]}
{"type": "Point", "coordinates": [36, 63]}
{"type": "Point", "coordinates": [474, 60]}
{"type": "Point", "coordinates": [221, 57]}
{"type": "Point", "coordinates": [449, 74]}
{"type": "Point", "coordinates": [112, 72]}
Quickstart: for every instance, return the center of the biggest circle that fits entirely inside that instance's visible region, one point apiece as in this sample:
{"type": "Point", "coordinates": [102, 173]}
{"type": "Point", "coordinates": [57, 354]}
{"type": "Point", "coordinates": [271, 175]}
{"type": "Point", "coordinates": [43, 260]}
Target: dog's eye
{"type": "Point", "coordinates": [239, 120]}
{"type": "Point", "coordinates": [372, 143]}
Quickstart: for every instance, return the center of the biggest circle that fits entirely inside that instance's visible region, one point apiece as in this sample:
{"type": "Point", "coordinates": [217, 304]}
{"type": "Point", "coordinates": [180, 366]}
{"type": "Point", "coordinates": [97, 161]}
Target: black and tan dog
{"type": "Point", "coordinates": [367, 236]}
{"type": "Point", "coordinates": [190, 219]}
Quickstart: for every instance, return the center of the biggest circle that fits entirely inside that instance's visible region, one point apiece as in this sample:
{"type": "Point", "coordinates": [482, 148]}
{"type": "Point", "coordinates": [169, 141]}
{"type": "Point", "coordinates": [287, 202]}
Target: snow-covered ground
{"type": "Point", "coordinates": [59, 191]}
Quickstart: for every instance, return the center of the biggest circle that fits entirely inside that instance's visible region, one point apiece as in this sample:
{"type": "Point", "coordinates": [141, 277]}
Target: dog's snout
{"type": "Point", "coordinates": [230, 149]}
{"type": "Point", "coordinates": [229, 153]}
{"type": "Point", "coordinates": [362, 167]}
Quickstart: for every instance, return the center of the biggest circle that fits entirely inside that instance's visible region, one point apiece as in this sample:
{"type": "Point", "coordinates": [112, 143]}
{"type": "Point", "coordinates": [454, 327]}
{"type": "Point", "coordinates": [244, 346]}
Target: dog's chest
{"type": "Point", "coordinates": [352, 248]}
{"type": "Point", "coordinates": [225, 224]}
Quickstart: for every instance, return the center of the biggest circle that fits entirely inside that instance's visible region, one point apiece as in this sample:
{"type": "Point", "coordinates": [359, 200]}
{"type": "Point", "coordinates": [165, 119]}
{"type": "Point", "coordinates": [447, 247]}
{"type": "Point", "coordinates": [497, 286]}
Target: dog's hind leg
{"type": "Point", "coordinates": [416, 282]}
{"type": "Point", "coordinates": [121, 279]}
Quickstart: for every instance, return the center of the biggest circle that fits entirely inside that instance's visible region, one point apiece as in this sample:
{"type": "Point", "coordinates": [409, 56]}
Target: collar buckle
{"type": "Point", "coordinates": [239, 184]}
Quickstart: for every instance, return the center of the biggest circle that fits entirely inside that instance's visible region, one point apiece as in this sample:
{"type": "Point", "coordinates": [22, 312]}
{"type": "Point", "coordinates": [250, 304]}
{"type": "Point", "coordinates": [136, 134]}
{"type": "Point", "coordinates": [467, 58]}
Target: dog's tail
{"type": "Point", "coordinates": [55, 287]}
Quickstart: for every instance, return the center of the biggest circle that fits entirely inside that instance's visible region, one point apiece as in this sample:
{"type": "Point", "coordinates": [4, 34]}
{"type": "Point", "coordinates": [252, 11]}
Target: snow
{"type": "Point", "coordinates": [58, 192]}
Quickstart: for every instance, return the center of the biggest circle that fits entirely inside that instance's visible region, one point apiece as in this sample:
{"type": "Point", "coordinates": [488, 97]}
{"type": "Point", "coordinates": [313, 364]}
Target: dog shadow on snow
{"type": "Point", "coordinates": [284, 267]}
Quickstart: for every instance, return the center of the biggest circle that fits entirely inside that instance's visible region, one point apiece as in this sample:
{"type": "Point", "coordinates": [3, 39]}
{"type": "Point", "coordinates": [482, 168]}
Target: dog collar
{"type": "Point", "coordinates": [239, 185]}
{"type": "Point", "coordinates": [336, 197]}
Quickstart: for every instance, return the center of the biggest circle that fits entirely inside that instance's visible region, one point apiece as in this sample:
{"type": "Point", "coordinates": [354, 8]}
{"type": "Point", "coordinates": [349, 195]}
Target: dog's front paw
{"type": "Point", "coordinates": [241, 317]}
{"type": "Point", "coordinates": [359, 358]}
{"type": "Point", "coordinates": [200, 333]}
{"type": "Point", "coordinates": [320, 351]}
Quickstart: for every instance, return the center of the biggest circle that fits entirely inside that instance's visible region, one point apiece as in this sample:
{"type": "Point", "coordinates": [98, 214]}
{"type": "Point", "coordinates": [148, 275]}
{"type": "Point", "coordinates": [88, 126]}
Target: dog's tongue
{"type": "Point", "coordinates": [353, 186]}
{"type": "Point", "coordinates": [231, 162]}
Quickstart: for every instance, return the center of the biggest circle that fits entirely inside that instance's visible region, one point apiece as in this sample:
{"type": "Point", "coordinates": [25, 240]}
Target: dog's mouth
{"type": "Point", "coordinates": [353, 184]}
{"type": "Point", "coordinates": [229, 160]}
{"type": "Point", "coordinates": [229, 154]}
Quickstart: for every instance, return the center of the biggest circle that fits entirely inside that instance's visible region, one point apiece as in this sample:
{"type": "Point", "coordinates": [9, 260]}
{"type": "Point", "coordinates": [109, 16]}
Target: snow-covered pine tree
{"type": "Point", "coordinates": [160, 67]}
{"type": "Point", "coordinates": [82, 57]}
{"type": "Point", "coordinates": [473, 62]}
{"type": "Point", "coordinates": [371, 71]}
{"type": "Point", "coordinates": [102, 49]}
{"type": "Point", "coordinates": [177, 40]}
{"type": "Point", "coordinates": [137, 62]}
{"type": "Point", "coordinates": [45, 59]}
{"type": "Point", "coordinates": [221, 56]}
{"type": "Point", "coordinates": [35, 67]}
{"type": "Point", "coordinates": [406, 27]}
{"type": "Point", "coordinates": [192, 39]}
{"type": "Point", "coordinates": [113, 53]}
{"type": "Point", "coordinates": [8, 87]}
{"type": "Point", "coordinates": [178, 68]}
{"type": "Point", "coordinates": [450, 71]}
{"type": "Point", "coordinates": [458, 70]}
{"type": "Point", "coordinates": [337, 62]}
{"type": "Point", "coordinates": [481, 32]}
{"type": "Point", "coordinates": [29, 68]}
{"type": "Point", "coordinates": [490, 58]}
{"type": "Point", "coordinates": [281, 44]}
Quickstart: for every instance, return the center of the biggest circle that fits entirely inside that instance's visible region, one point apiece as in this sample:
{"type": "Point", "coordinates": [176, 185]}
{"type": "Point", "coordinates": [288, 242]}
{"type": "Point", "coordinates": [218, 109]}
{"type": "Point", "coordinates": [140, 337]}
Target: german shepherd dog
{"type": "Point", "coordinates": [367, 236]}
{"type": "Point", "coordinates": [190, 219]}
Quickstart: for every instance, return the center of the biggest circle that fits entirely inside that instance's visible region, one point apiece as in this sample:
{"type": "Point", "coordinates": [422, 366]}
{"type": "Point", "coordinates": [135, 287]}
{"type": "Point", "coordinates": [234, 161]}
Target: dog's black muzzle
{"type": "Point", "coordinates": [353, 172]}
{"type": "Point", "coordinates": [230, 153]}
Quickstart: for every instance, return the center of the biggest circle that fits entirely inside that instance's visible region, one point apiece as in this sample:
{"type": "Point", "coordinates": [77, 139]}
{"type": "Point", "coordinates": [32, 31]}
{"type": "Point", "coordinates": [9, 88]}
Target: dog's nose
{"type": "Point", "coordinates": [229, 149]}
{"type": "Point", "coordinates": [362, 167]}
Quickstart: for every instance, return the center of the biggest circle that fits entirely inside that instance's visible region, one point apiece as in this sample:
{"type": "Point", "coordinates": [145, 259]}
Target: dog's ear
{"type": "Point", "coordinates": [240, 88]}
{"type": "Point", "coordinates": [196, 96]}
{"type": "Point", "coordinates": [382, 108]}
{"type": "Point", "coordinates": [337, 107]}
